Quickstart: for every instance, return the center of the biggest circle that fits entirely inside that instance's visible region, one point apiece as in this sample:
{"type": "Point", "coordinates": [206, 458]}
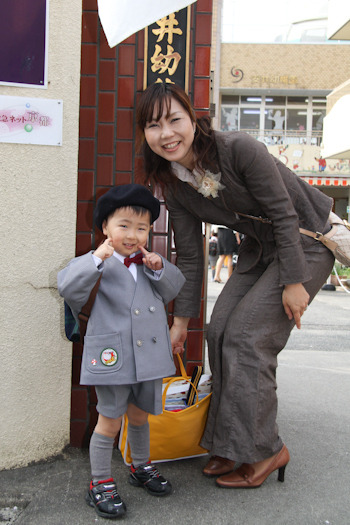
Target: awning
{"type": "Point", "coordinates": [342, 33]}
{"type": "Point", "coordinates": [315, 180]}
{"type": "Point", "coordinates": [122, 18]}
{"type": "Point", "coordinates": [338, 20]}
{"type": "Point", "coordinates": [336, 131]}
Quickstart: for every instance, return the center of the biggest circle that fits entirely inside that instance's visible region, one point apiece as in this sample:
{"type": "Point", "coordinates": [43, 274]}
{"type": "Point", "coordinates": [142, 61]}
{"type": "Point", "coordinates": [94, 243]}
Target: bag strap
{"type": "Point", "coordinates": [182, 368]}
{"type": "Point", "coordinates": [86, 310]}
{"type": "Point", "coordinates": [332, 245]}
{"type": "Point", "coordinates": [325, 239]}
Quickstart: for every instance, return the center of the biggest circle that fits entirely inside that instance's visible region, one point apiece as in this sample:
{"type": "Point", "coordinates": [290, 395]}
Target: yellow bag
{"type": "Point", "coordinates": [173, 435]}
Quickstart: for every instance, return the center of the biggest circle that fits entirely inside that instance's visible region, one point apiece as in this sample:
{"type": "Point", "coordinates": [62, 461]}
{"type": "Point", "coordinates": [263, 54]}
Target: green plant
{"type": "Point", "coordinates": [341, 269]}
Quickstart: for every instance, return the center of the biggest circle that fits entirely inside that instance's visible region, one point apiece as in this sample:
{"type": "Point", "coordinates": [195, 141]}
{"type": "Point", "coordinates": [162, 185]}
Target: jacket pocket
{"type": "Point", "coordinates": [103, 353]}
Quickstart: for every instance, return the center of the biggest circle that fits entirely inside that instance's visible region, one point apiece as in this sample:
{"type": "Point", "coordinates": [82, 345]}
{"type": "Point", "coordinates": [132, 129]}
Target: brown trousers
{"type": "Point", "coordinates": [247, 330]}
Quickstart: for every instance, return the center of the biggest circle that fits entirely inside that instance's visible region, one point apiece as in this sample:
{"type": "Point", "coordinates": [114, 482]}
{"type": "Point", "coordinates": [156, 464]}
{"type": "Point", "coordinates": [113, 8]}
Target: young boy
{"type": "Point", "coordinates": [127, 347]}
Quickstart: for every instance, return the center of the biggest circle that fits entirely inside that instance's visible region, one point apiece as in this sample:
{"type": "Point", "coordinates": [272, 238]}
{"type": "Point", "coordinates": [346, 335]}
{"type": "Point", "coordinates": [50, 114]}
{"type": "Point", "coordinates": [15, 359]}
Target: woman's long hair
{"type": "Point", "coordinates": [158, 96]}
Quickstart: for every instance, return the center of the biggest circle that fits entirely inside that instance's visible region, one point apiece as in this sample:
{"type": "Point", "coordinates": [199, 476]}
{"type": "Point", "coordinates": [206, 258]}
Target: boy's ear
{"type": "Point", "coordinates": [104, 224]}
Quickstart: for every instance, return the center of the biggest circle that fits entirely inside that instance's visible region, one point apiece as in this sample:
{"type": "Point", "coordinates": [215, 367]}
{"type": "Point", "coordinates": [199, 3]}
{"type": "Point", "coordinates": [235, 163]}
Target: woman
{"type": "Point", "coordinates": [228, 242]}
{"type": "Point", "coordinates": [213, 253]}
{"type": "Point", "coordinates": [226, 178]}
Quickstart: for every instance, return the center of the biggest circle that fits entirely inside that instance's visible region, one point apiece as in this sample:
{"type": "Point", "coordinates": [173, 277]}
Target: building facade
{"type": "Point", "coordinates": [278, 93]}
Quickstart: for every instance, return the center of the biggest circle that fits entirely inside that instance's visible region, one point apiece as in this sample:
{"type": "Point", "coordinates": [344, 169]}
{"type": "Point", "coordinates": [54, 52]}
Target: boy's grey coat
{"type": "Point", "coordinates": [127, 316]}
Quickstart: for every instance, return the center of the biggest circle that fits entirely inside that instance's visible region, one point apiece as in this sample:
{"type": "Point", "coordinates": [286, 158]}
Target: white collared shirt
{"type": "Point", "coordinates": [184, 174]}
{"type": "Point", "coordinates": [132, 268]}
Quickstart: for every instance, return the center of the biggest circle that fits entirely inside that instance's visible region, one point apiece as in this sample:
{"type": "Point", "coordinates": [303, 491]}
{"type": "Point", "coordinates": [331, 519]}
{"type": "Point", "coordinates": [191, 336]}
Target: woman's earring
{"type": "Point", "coordinates": [194, 128]}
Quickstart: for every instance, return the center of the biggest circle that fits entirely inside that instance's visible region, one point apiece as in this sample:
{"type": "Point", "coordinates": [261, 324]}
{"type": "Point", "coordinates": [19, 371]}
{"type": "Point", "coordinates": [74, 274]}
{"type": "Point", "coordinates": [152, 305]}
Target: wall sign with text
{"type": "Point", "coordinates": [167, 49]}
{"type": "Point", "coordinates": [25, 120]}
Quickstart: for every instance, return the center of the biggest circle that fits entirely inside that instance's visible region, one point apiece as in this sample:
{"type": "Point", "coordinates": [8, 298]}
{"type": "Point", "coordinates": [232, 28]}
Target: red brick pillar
{"type": "Point", "coordinates": [110, 80]}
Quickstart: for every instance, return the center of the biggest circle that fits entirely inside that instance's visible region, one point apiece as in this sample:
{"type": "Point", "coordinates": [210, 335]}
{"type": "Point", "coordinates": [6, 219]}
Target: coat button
{"type": "Point", "coordinates": [154, 339]}
{"type": "Point", "coordinates": [139, 342]}
{"type": "Point", "coordinates": [137, 311]}
{"type": "Point", "coordinates": [152, 308]}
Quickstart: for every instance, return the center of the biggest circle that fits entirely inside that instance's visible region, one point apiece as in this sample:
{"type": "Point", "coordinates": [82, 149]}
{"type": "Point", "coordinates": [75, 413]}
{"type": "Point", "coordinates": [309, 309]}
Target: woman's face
{"type": "Point", "coordinates": [171, 137]}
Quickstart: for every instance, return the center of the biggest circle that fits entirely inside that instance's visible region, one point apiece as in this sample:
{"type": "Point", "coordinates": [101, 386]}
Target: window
{"type": "Point", "coordinates": [250, 119]}
{"type": "Point", "coordinates": [275, 119]}
{"type": "Point", "coordinates": [296, 119]}
{"type": "Point", "coordinates": [317, 119]}
{"type": "Point", "coordinates": [275, 101]}
{"type": "Point", "coordinates": [229, 118]}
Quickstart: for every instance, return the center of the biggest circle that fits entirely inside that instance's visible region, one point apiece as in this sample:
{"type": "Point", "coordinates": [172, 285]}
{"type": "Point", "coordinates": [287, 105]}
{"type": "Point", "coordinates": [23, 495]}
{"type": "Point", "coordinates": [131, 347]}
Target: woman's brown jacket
{"type": "Point", "coordinates": [258, 184]}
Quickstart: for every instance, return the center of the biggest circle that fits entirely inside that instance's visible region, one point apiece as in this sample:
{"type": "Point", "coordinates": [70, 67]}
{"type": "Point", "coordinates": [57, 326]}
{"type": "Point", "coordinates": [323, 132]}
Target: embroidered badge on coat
{"type": "Point", "coordinates": [109, 357]}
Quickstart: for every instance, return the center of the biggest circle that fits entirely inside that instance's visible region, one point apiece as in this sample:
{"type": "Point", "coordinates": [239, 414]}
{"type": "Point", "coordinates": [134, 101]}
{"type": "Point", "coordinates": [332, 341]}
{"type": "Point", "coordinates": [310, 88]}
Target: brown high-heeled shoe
{"type": "Point", "coordinates": [251, 476]}
{"type": "Point", "coordinates": [217, 466]}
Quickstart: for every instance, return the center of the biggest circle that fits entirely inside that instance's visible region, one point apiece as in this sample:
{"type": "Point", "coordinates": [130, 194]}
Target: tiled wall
{"type": "Point", "coordinates": [110, 81]}
{"type": "Point", "coordinates": [285, 66]}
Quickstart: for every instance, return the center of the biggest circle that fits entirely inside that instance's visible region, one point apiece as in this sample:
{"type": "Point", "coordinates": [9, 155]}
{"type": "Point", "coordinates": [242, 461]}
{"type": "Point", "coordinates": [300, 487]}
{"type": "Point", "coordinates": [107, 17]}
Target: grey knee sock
{"type": "Point", "coordinates": [138, 437]}
{"type": "Point", "coordinates": [101, 450]}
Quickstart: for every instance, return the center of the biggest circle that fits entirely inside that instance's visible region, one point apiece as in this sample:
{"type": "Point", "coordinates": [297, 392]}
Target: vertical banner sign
{"type": "Point", "coordinates": [167, 49]}
{"type": "Point", "coordinates": [23, 42]}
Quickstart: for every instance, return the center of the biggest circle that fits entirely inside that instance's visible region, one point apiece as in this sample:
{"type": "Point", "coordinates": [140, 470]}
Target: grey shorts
{"type": "Point", "coordinates": [113, 400]}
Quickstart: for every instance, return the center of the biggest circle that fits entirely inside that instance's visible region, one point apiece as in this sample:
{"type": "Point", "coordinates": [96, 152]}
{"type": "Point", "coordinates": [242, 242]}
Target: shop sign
{"type": "Point", "coordinates": [167, 49]}
{"type": "Point", "coordinates": [286, 80]}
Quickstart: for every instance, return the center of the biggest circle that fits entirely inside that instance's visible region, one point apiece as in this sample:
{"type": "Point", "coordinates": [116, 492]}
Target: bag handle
{"type": "Point", "coordinates": [86, 310]}
{"type": "Point", "coordinates": [182, 368]}
{"type": "Point", "coordinates": [183, 377]}
{"type": "Point", "coordinates": [173, 380]}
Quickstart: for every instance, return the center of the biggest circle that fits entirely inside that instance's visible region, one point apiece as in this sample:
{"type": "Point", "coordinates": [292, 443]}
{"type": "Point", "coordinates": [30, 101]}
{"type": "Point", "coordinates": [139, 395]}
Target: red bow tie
{"type": "Point", "coordinates": [137, 259]}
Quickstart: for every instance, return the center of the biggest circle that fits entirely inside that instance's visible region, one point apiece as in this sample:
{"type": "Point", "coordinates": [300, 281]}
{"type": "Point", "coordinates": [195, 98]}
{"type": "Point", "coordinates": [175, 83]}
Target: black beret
{"type": "Point", "coordinates": [127, 195]}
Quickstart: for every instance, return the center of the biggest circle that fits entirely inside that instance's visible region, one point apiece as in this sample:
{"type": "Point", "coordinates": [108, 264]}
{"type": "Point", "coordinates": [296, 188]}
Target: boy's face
{"type": "Point", "coordinates": [127, 230]}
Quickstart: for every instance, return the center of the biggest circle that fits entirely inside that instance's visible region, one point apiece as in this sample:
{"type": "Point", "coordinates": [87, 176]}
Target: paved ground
{"type": "Point", "coordinates": [314, 421]}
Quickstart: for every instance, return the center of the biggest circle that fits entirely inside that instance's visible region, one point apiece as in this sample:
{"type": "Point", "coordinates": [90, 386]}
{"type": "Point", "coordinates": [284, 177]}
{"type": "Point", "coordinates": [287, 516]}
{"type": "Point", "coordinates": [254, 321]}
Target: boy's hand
{"type": "Point", "coordinates": [150, 259]}
{"type": "Point", "coordinates": [105, 250]}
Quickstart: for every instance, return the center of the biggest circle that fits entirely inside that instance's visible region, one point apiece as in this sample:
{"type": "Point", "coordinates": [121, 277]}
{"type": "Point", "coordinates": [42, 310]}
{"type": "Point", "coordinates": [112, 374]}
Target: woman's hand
{"type": "Point", "coordinates": [178, 334]}
{"type": "Point", "coordinates": [295, 300]}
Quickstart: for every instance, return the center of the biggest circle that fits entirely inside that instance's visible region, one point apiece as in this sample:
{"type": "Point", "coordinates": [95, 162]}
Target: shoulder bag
{"type": "Point", "coordinates": [75, 332]}
{"type": "Point", "coordinates": [337, 239]}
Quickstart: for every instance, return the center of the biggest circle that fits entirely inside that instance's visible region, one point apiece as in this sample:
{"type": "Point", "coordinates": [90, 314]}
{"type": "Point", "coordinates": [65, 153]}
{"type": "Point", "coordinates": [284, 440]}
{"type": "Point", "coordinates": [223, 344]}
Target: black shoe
{"type": "Point", "coordinates": [148, 477]}
{"type": "Point", "coordinates": [104, 497]}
